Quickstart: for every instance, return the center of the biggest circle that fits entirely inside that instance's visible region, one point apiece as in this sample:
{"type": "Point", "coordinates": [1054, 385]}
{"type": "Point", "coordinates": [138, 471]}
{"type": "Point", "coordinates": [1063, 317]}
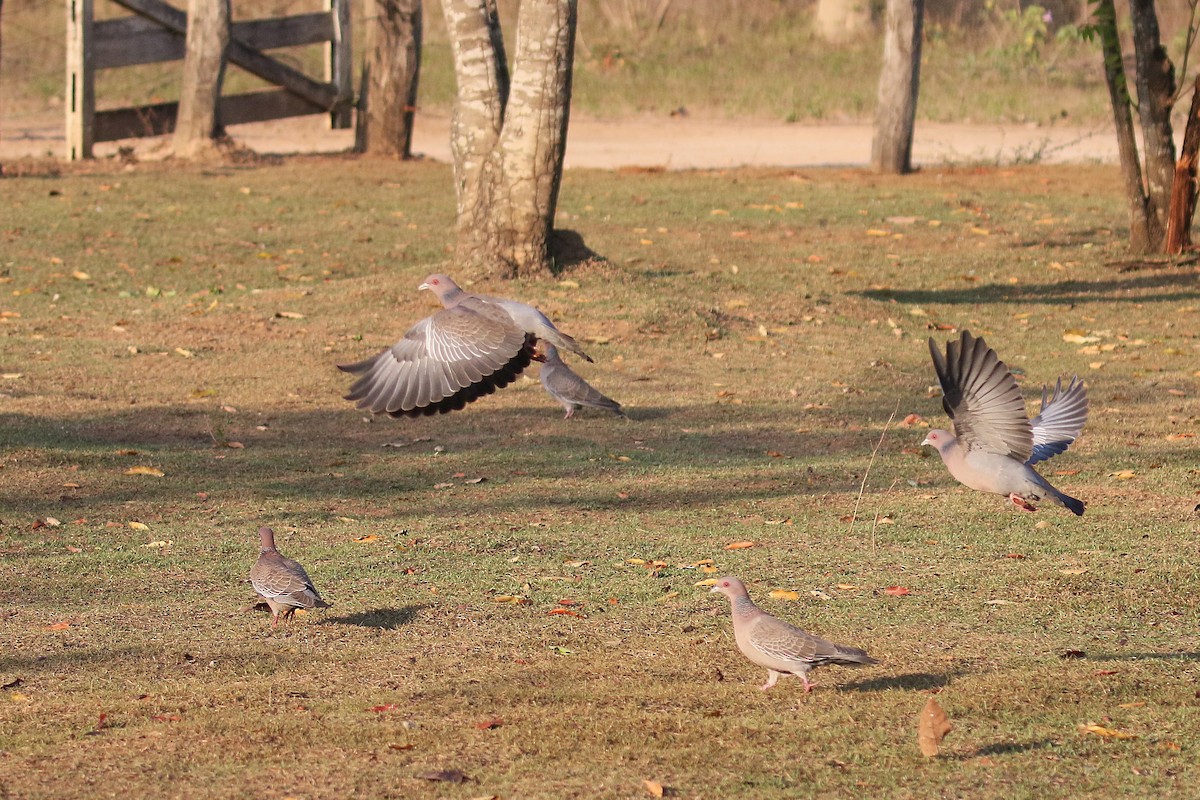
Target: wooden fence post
{"type": "Point", "coordinates": [81, 85]}
{"type": "Point", "coordinates": [338, 63]}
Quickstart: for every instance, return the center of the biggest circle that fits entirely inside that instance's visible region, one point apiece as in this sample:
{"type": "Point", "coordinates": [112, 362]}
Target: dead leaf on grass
{"type": "Point", "coordinates": [370, 537]}
{"type": "Point", "coordinates": [139, 470]}
{"type": "Point", "coordinates": [139, 526]}
{"type": "Point", "coordinates": [59, 626]}
{"type": "Point", "coordinates": [408, 746]}
{"type": "Point", "coordinates": [784, 594]}
{"type": "Point", "coordinates": [489, 723]}
{"type": "Point", "coordinates": [932, 727]}
{"type": "Point", "coordinates": [1122, 475]}
{"type": "Point", "coordinates": [385, 707]}
{"type": "Point", "coordinates": [739, 545]}
{"type": "Point", "coordinates": [1106, 733]}
{"type": "Point", "coordinates": [897, 591]}
{"type": "Point", "coordinates": [654, 788]}
{"type": "Point", "coordinates": [563, 612]}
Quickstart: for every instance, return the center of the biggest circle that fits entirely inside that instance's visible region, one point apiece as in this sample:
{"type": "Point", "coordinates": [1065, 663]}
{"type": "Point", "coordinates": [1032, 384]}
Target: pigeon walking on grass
{"type": "Point", "coordinates": [472, 347]}
{"type": "Point", "coordinates": [995, 445]}
{"type": "Point", "coordinates": [572, 391]}
{"type": "Point", "coordinates": [282, 582]}
{"type": "Point", "coordinates": [779, 646]}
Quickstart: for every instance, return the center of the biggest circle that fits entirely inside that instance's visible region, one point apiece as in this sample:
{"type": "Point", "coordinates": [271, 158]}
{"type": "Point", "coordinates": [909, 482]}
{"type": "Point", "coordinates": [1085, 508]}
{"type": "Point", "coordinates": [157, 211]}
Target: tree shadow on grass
{"type": "Point", "coordinates": [1173, 285]}
{"type": "Point", "coordinates": [1177, 656]}
{"type": "Point", "coordinates": [387, 619]}
{"type": "Point", "coordinates": [916, 681]}
{"type": "Point", "coordinates": [67, 659]}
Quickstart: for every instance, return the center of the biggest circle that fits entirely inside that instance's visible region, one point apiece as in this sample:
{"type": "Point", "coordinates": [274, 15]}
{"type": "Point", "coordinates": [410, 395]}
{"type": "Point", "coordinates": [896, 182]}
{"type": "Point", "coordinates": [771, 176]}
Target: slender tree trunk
{"type": "Point", "coordinates": [839, 21]}
{"type": "Point", "coordinates": [388, 96]}
{"type": "Point", "coordinates": [508, 135]}
{"type": "Point", "coordinates": [1183, 187]}
{"type": "Point", "coordinates": [1156, 95]}
{"type": "Point", "coordinates": [896, 104]}
{"type": "Point", "coordinates": [1118, 96]}
{"type": "Point", "coordinates": [203, 73]}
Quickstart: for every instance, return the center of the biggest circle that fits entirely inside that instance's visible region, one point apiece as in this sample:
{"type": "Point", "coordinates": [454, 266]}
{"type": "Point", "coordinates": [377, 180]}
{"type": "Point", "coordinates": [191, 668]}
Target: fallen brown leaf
{"type": "Point", "coordinates": [489, 723]}
{"type": "Point", "coordinates": [739, 545]}
{"type": "Point", "coordinates": [932, 727]}
{"type": "Point", "coordinates": [654, 788]}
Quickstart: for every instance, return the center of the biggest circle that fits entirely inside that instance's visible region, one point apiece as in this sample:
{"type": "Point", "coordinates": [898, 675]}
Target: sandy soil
{"type": "Point", "coordinates": [671, 143]}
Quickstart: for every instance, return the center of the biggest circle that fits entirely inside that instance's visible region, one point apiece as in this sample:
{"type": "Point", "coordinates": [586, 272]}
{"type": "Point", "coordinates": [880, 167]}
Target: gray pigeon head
{"type": "Point", "coordinates": [441, 285]}
{"type": "Point", "coordinates": [266, 538]}
{"type": "Point", "coordinates": [731, 587]}
{"type": "Point", "coordinates": [939, 439]}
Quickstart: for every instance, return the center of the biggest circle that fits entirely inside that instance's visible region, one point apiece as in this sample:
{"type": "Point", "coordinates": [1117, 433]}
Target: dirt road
{"type": "Point", "coordinates": [670, 143]}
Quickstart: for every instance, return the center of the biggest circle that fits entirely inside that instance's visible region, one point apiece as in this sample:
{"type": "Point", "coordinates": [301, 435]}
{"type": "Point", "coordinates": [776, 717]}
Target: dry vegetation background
{"type": "Point", "coordinates": [762, 328]}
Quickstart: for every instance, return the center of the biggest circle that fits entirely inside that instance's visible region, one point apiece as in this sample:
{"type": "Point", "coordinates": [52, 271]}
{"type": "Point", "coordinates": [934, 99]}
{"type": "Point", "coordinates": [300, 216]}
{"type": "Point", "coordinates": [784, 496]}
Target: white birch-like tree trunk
{"type": "Point", "coordinates": [197, 124]}
{"type": "Point", "coordinates": [896, 103]}
{"type": "Point", "coordinates": [391, 70]}
{"type": "Point", "coordinates": [508, 135]}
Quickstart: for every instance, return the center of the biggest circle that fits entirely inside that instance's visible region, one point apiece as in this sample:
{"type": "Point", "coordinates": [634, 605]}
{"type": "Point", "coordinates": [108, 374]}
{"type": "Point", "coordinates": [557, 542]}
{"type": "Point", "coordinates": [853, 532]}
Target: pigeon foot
{"type": "Point", "coordinates": [1021, 502]}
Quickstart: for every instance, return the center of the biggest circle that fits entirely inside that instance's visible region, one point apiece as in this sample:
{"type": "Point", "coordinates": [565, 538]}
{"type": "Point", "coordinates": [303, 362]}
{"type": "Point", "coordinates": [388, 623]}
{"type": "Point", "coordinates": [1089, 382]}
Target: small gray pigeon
{"type": "Point", "coordinates": [282, 582]}
{"type": "Point", "coordinates": [572, 391]}
{"type": "Point", "coordinates": [472, 347]}
{"type": "Point", "coordinates": [782, 648]}
{"type": "Point", "coordinates": [995, 445]}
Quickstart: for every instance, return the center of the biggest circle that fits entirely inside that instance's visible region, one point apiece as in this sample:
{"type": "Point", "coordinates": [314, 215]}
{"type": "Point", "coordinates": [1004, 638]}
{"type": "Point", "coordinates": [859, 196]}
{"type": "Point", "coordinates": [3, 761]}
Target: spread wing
{"type": "Point", "coordinates": [982, 397]}
{"type": "Point", "coordinates": [444, 362]}
{"type": "Point", "coordinates": [1061, 419]}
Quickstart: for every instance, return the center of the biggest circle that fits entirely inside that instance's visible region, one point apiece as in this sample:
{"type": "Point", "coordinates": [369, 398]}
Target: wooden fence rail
{"type": "Point", "coordinates": [156, 34]}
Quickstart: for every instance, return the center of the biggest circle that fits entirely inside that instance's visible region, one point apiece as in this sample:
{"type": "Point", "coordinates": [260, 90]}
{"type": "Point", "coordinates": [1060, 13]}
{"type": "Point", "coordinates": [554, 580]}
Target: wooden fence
{"type": "Point", "coordinates": [156, 33]}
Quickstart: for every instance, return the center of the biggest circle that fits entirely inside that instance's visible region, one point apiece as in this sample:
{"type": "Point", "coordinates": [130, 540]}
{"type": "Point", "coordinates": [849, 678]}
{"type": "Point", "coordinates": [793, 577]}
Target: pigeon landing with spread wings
{"type": "Point", "coordinates": [282, 582]}
{"type": "Point", "coordinates": [995, 445]}
{"type": "Point", "coordinates": [472, 347]}
{"type": "Point", "coordinates": [572, 391]}
{"type": "Point", "coordinates": [779, 646]}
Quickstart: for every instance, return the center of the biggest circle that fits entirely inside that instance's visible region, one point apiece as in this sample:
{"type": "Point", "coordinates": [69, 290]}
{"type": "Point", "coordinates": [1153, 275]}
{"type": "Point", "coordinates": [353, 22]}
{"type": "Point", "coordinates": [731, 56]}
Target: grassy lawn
{"type": "Point", "coordinates": [761, 328]}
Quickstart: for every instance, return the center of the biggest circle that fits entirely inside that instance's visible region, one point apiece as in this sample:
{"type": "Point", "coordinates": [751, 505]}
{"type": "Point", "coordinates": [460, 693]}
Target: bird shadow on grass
{"type": "Point", "coordinates": [385, 618]}
{"type": "Point", "coordinates": [1177, 656]}
{"type": "Point", "coordinates": [918, 681]}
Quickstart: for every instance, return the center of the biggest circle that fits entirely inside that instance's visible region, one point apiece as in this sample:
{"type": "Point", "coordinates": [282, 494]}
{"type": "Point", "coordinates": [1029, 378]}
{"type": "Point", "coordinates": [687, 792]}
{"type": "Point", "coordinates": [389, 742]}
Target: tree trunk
{"type": "Point", "coordinates": [1183, 187]}
{"type": "Point", "coordinates": [1118, 95]}
{"type": "Point", "coordinates": [508, 135]}
{"type": "Point", "coordinates": [203, 72]}
{"type": "Point", "coordinates": [1156, 95]}
{"type": "Point", "coordinates": [388, 96]}
{"type": "Point", "coordinates": [839, 21]}
{"type": "Point", "coordinates": [896, 104]}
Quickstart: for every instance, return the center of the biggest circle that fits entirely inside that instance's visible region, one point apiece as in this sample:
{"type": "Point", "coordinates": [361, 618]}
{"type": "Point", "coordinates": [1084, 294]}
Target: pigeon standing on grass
{"type": "Point", "coordinates": [995, 445]}
{"type": "Point", "coordinates": [782, 648]}
{"type": "Point", "coordinates": [472, 347]}
{"type": "Point", "coordinates": [282, 582]}
{"type": "Point", "coordinates": [572, 391]}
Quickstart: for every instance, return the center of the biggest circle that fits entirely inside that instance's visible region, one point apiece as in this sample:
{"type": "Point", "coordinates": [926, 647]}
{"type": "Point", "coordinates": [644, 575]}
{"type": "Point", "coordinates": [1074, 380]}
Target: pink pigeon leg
{"type": "Point", "coordinates": [1021, 502]}
{"type": "Point", "coordinates": [772, 677]}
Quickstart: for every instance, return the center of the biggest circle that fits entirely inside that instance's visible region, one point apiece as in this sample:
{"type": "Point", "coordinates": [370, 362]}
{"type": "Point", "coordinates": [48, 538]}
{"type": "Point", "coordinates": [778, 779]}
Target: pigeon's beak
{"type": "Point", "coordinates": [926, 441]}
{"type": "Point", "coordinates": [714, 590]}
{"type": "Point", "coordinates": [422, 287]}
